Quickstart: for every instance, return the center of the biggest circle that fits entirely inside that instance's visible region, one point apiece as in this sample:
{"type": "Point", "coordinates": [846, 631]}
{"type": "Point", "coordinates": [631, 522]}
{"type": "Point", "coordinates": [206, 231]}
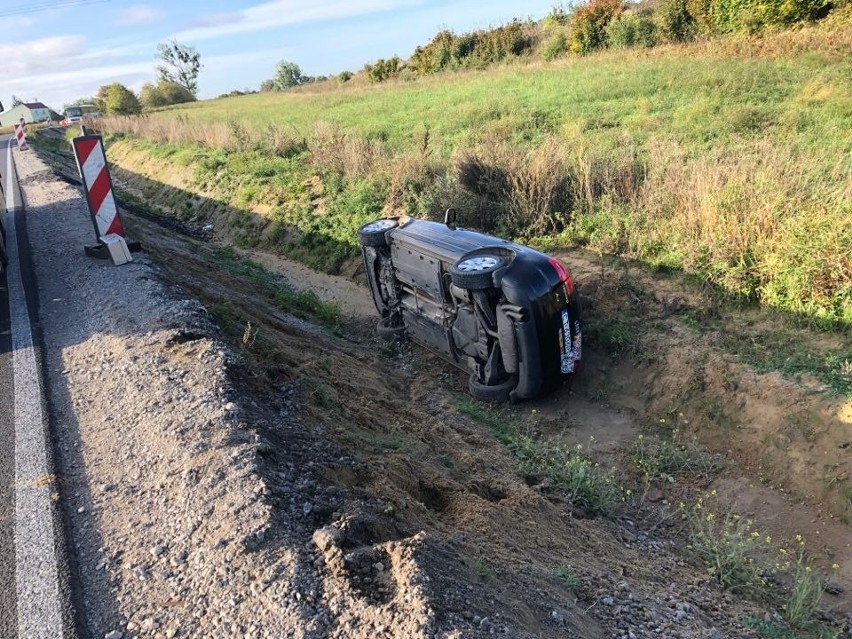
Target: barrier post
{"type": "Point", "coordinates": [97, 185]}
{"type": "Point", "coordinates": [21, 135]}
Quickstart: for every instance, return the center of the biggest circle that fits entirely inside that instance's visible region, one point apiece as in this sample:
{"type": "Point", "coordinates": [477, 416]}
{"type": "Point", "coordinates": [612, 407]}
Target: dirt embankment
{"type": "Point", "coordinates": [393, 514]}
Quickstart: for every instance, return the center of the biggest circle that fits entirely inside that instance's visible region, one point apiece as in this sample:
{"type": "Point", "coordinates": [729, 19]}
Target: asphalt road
{"type": "Point", "coordinates": [34, 582]}
{"type": "Point", "coordinates": [8, 611]}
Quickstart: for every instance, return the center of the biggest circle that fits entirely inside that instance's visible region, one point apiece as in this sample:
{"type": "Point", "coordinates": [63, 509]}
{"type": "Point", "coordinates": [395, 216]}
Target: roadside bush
{"type": "Point", "coordinates": [632, 30]}
{"type": "Point", "coordinates": [555, 46]}
{"type": "Point", "coordinates": [558, 16]}
{"type": "Point", "coordinates": [476, 49]}
{"type": "Point", "coordinates": [589, 22]}
{"type": "Point", "coordinates": [715, 17]}
{"type": "Point", "coordinates": [383, 69]}
{"type": "Point", "coordinates": [164, 93]}
{"type": "Point", "coordinates": [676, 22]}
{"type": "Point", "coordinates": [117, 99]}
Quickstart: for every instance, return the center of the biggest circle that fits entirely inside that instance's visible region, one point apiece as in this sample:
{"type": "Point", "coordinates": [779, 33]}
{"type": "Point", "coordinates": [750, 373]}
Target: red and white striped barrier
{"type": "Point", "coordinates": [91, 162]}
{"type": "Point", "coordinates": [21, 135]}
{"type": "Point", "coordinates": [97, 183]}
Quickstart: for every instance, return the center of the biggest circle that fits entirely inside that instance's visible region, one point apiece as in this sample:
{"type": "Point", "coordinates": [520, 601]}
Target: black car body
{"type": "Point", "coordinates": [505, 313]}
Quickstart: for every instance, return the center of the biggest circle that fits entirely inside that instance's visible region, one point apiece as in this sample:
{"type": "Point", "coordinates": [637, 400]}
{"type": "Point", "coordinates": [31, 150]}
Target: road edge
{"type": "Point", "coordinates": [61, 614]}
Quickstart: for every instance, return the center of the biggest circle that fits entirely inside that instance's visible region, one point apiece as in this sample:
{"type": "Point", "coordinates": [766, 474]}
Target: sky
{"type": "Point", "coordinates": [57, 51]}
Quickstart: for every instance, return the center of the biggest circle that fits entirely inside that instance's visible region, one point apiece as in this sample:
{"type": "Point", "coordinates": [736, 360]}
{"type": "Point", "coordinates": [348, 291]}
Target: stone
{"type": "Point", "coordinates": [654, 495]}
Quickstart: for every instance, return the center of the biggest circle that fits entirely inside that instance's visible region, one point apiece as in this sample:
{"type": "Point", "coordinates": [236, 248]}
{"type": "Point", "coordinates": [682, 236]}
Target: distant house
{"type": "Point", "coordinates": [30, 111]}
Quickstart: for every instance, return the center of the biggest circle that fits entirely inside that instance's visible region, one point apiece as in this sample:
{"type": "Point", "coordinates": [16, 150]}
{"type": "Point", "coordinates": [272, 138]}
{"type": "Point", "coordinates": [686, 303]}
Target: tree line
{"type": "Point", "coordinates": [177, 82]}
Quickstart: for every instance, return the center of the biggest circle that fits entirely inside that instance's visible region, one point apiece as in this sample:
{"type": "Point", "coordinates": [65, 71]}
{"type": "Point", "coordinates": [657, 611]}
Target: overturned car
{"type": "Point", "coordinates": [505, 313]}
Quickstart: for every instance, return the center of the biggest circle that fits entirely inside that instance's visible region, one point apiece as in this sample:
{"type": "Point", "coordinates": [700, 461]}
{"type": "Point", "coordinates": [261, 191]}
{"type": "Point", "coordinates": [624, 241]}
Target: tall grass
{"type": "Point", "coordinates": [731, 161]}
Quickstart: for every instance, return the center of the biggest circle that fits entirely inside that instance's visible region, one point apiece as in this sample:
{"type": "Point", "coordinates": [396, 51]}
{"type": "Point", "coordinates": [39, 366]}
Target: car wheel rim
{"type": "Point", "coordinates": [479, 263]}
{"type": "Point", "coordinates": [378, 226]}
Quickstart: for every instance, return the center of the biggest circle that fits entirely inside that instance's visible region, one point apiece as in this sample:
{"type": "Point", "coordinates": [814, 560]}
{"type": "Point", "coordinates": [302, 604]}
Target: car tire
{"type": "Point", "coordinates": [373, 233]}
{"type": "Point", "coordinates": [493, 394]}
{"type": "Point", "coordinates": [386, 330]}
{"type": "Point", "coordinates": [476, 272]}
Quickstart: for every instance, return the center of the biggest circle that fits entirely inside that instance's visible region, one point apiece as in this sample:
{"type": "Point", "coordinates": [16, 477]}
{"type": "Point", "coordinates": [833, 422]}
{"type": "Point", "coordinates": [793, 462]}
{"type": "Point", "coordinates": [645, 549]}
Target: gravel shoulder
{"type": "Point", "coordinates": [157, 477]}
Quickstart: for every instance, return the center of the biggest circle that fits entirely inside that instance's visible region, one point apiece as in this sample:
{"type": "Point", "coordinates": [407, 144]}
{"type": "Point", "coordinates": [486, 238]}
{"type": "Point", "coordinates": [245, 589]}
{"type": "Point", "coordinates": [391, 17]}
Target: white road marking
{"type": "Point", "coordinates": [36, 570]}
{"type": "Point", "coordinates": [10, 194]}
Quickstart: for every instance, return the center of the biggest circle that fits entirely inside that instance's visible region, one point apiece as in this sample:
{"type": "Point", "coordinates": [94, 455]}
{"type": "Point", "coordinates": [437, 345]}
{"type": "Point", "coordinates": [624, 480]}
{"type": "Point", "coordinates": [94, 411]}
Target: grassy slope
{"type": "Point", "coordinates": [698, 101]}
{"type": "Point", "coordinates": [744, 173]}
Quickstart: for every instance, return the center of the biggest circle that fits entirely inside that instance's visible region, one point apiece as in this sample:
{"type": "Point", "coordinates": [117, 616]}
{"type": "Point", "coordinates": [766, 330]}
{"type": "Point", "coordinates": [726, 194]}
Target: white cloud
{"type": "Point", "coordinates": [57, 88]}
{"type": "Point", "coordinates": [279, 13]}
{"type": "Point", "coordinates": [31, 56]}
{"type": "Point", "coordinates": [138, 14]}
{"type": "Point", "coordinates": [16, 23]}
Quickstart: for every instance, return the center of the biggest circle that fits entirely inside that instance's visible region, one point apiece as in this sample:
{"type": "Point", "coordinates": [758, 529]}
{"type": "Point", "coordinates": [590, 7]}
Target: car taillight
{"type": "Point", "coordinates": [563, 274]}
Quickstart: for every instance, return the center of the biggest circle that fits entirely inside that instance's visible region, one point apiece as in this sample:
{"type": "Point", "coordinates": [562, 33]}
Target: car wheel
{"type": "Point", "coordinates": [493, 394]}
{"type": "Point", "coordinates": [373, 233]}
{"type": "Point", "coordinates": [386, 330]}
{"type": "Point", "coordinates": [475, 272]}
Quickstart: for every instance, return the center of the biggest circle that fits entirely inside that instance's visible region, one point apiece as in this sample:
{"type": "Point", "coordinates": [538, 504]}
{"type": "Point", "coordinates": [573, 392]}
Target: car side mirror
{"type": "Point", "coordinates": [450, 218]}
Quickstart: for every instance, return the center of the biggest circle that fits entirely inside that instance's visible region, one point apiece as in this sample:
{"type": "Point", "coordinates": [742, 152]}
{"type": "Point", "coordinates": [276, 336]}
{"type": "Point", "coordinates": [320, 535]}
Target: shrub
{"type": "Point", "coordinates": [476, 49]}
{"type": "Point", "coordinates": [632, 30]}
{"type": "Point", "coordinates": [676, 22]}
{"type": "Point", "coordinates": [555, 46]}
{"type": "Point", "coordinates": [164, 93]}
{"type": "Point", "coordinates": [558, 16]}
{"type": "Point", "coordinates": [589, 22]}
{"type": "Point", "coordinates": [383, 69]}
{"type": "Point", "coordinates": [712, 17]}
{"type": "Point", "coordinates": [288, 74]}
{"type": "Point", "coordinates": [344, 76]}
{"type": "Point", "coordinates": [117, 99]}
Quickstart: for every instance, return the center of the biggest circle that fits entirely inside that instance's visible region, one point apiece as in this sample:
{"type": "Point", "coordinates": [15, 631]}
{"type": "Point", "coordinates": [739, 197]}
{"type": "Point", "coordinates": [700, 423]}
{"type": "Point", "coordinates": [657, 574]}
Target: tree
{"type": "Point", "coordinates": [117, 99]}
{"type": "Point", "coordinates": [287, 74]}
{"type": "Point", "coordinates": [163, 94]}
{"type": "Point", "coordinates": [79, 101]}
{"type": "Point", "coordinates": [268, 85]}
{"type": "Point", "coordinates": [16, 101]}
{"type": "Point", "coordinates": [181, 65]}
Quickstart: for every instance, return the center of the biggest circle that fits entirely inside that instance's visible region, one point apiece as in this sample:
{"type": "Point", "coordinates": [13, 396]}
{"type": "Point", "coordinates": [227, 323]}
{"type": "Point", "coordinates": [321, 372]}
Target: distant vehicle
{"type": "Point", "coordinates": [505, 313]}
{"type": "Point", "coordinates": [79, 113]}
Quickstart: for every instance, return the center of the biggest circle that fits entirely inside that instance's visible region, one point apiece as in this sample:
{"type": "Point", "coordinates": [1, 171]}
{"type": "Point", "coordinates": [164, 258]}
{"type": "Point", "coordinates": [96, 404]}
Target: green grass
{"type": "Point", "coordinates": [711, 101]}
{"type": "Point", "coordinates": [569, 577]}
{"type": "Point", "coordinates": [781, 351]}
{"type": "Point", "coordinates": [593, 488]}
{"type": "Point", "coordinates": [671, 454]}
{"type": "Point", "coordinates": [302, 303]}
